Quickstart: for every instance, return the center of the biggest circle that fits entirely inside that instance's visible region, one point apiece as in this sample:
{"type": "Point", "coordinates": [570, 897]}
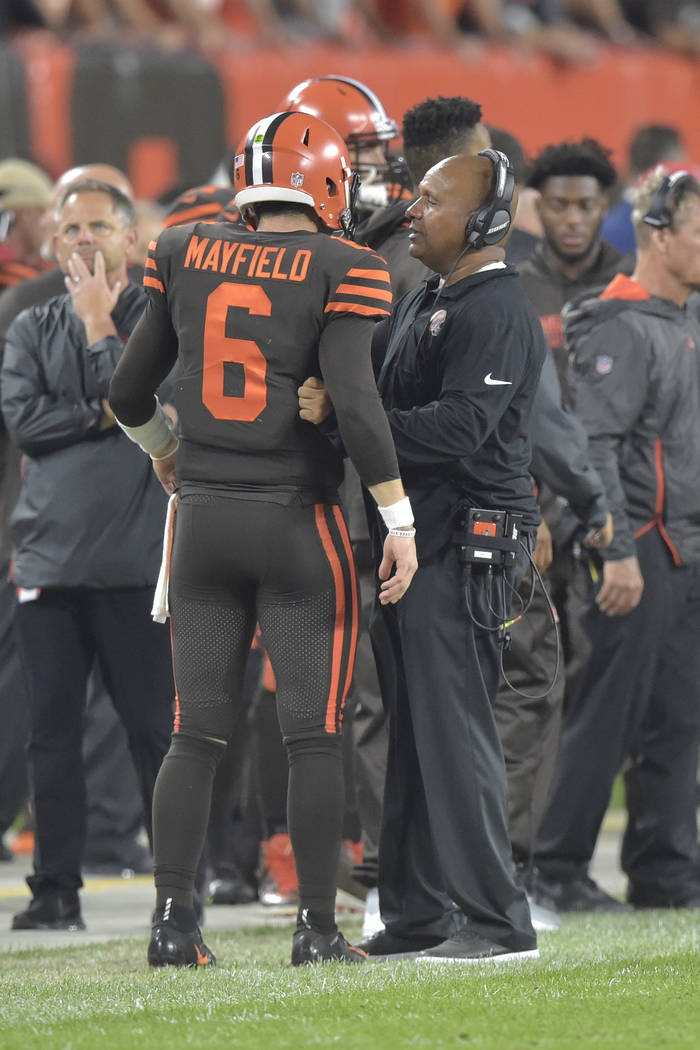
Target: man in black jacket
{"type": "Point", "coordinates": [635, 383]}
{"type": "Point", "coordinates": [458, 365]}
{"type": "Point", "coordinates": [87, 531]}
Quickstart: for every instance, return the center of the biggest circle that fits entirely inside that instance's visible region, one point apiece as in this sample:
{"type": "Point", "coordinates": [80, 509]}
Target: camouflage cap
{"type": "Point", "coordinates": [23, 185]}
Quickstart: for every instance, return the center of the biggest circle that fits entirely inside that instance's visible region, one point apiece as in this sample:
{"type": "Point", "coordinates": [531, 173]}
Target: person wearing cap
{"type": "Point", "coordinates": [25, 194]}
{"type": "Point", "coordinates": [114, 805]}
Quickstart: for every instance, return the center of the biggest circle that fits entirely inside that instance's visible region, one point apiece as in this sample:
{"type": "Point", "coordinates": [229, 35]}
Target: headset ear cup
{"type": "Point", "coordinates": [498, 227]}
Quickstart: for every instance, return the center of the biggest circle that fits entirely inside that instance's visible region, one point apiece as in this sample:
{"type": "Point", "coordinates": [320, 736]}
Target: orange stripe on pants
{"type": "Point", "coordinates": [339, 628]}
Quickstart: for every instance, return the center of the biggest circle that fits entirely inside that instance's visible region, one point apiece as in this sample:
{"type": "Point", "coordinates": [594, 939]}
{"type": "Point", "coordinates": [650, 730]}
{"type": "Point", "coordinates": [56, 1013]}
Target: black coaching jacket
{"type": "Point", "coordinates": [635, 384]}
{"type": "Point", "coordinates": [90, 511]}
{"type": "Point", "coordinates": [457, 371]}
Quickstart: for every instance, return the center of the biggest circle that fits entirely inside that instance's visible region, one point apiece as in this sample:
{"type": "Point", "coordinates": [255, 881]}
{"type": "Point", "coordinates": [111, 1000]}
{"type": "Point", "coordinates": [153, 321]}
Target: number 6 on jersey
{"type": "Point", "coordinates": [220, 349]}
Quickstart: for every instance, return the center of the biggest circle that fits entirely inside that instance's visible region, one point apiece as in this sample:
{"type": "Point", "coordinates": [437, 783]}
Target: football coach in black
{"type": "Point", "coordinates": [458, 363]}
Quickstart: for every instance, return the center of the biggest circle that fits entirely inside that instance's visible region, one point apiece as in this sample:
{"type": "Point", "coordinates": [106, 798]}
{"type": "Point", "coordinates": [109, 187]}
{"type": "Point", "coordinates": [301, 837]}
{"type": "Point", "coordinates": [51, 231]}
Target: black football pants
{"type": "Point", "coordinates": [288, 567]}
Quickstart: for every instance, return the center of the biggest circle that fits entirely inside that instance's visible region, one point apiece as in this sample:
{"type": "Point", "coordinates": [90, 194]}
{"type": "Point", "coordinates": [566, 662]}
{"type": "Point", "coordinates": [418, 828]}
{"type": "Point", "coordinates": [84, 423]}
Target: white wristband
{"type": "Point", "coordinates": [169, 453]}
{"type": "Point", "coordinates": [397, 514]}
{"type": "Point", "coordinates": [153, 436]}
{"type": "Point", "coordinates": [404, 534]}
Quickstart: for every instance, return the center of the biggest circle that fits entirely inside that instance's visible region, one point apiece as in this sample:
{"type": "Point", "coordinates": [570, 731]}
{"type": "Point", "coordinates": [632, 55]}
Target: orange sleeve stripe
{"type": "Point", "coordinates": [153, 282]}
{"type": "Point", "coordinates": [357, 247]}
{"type": "Point", "coordinates": [151, 264]}
{"type": "Point", "coordinates": [370, 275]}
{"type": "Point", "coordinates": [339, 627]}
{"type": "Point", "coordinates": [13, 273]}
{"type": "Point", "coordinates": [345, 537]}
{"type": "Point", "coordinates": [152, 245]}
{"type": "Point", "coordinates": [366, 293]}
{"type": "Point", "coordinates": [356, 308]}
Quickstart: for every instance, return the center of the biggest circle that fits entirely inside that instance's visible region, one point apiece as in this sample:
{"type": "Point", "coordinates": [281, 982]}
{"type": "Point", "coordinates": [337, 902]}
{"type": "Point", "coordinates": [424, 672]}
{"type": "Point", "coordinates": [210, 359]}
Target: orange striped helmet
{"type": "Point", "coordinates": [298, 158]}
{"type": "Point", "coordinates": [348, 105]}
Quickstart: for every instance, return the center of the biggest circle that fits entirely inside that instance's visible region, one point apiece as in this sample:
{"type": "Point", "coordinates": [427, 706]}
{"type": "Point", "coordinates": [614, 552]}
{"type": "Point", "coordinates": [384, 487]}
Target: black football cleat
{"type": "Point", "coordinates": [310, 947]}
{"type": "Point", "coordinates": [172, 947]}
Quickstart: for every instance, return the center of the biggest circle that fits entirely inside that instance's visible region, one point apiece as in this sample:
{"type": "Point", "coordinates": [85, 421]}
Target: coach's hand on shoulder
{"type": "Point", "coordinates": [399, 556]}
{"type": "Point", "coordinates": [314, 403]}
{"type": "Point", "coordinates": [622, 587]}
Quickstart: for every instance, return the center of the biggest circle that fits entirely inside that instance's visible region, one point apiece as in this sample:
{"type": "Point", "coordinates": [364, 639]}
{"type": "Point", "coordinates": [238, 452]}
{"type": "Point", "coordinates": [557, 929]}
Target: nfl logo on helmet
{"type": "Point", "coordinates": [297, 179]}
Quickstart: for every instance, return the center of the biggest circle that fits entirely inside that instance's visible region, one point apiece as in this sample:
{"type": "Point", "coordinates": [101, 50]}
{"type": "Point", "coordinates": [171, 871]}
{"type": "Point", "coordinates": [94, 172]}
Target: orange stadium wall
{"type": "Point", "coordinates": [169, 117]}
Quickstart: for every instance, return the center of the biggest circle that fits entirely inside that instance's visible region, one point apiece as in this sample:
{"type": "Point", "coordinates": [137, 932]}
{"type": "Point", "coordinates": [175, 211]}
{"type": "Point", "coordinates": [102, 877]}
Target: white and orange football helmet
{"type": "Point", "coordinates": [298, 158]}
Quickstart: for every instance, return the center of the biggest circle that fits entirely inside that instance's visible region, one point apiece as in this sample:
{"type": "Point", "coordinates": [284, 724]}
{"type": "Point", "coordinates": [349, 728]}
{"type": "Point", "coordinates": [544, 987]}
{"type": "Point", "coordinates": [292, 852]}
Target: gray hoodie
{"type": "Point", "coordinates": [635, 386]}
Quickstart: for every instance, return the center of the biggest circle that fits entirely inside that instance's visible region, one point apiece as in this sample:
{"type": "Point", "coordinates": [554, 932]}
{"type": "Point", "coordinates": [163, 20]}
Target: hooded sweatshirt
{"type": "Point", "coordinates": [635, 385]}
{"type": "Point", "coordinates": [549, 289]}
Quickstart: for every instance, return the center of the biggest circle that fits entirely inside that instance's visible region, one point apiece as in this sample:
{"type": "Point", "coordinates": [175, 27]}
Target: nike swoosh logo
{"type": "Point", "coordinates": [490, 381]}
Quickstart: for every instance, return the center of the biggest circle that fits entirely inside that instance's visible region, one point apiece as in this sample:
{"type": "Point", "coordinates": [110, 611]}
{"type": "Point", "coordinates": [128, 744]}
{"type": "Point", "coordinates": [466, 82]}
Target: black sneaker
{"type": "Point", "coordinates": [542, 915]}
{"type": "Point", "coordinates": [686, 895]}
{"type": "Point", "coordinates": [51, 910]}
{"type": "Point", "coordinates": [231, 889]}
{"type": "Point", "coordinates": [171, 947]}
{"type": "Point", "coordinates": [577, 894]}
{"type": "Point", "coordinates": [385, 945]}
{"type": "Point", "coordinates": [311, 947]}
{"type": "Point", "coordinates": [466, 946]}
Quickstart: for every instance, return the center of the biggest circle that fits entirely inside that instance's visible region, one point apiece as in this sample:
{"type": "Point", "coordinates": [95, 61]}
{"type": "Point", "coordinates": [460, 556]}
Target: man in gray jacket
{"type": "Point", "coordinates": [87, 531]}
{"type": "Point", "coordinates": [635, 385]}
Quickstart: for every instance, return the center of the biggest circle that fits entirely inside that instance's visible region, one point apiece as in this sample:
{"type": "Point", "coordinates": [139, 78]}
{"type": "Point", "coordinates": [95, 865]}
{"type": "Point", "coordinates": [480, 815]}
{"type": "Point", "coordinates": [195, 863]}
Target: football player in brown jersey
{"type": "Point", "coordinates": [259, 535]}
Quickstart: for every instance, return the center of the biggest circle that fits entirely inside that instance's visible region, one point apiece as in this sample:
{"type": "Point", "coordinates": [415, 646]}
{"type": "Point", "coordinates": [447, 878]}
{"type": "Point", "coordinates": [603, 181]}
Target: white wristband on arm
{"type": "Point", "coordinates": [155, 436]}
{"type": "Point", "coordinates": [397, 514]}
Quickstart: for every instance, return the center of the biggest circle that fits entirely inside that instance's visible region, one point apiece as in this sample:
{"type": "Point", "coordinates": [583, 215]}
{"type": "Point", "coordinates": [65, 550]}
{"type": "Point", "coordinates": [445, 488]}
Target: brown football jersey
{"type": "Point", "coordinates": [249, 309]}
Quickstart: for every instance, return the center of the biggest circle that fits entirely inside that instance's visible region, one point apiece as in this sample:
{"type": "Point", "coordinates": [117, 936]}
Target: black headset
{"type": "Point", "coordinates": [490, 223]}
{"type": "Point", "coordinates": [659, 213]}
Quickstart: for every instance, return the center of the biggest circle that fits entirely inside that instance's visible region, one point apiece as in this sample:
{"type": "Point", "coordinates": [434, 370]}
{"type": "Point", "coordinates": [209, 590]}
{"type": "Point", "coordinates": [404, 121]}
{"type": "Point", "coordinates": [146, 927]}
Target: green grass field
{"type": "Point", "coordinates": [621, 981]}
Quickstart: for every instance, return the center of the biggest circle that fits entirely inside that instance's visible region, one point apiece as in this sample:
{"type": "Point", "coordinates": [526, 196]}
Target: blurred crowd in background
{"type": "Point", "coordinates": [570, 31]}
